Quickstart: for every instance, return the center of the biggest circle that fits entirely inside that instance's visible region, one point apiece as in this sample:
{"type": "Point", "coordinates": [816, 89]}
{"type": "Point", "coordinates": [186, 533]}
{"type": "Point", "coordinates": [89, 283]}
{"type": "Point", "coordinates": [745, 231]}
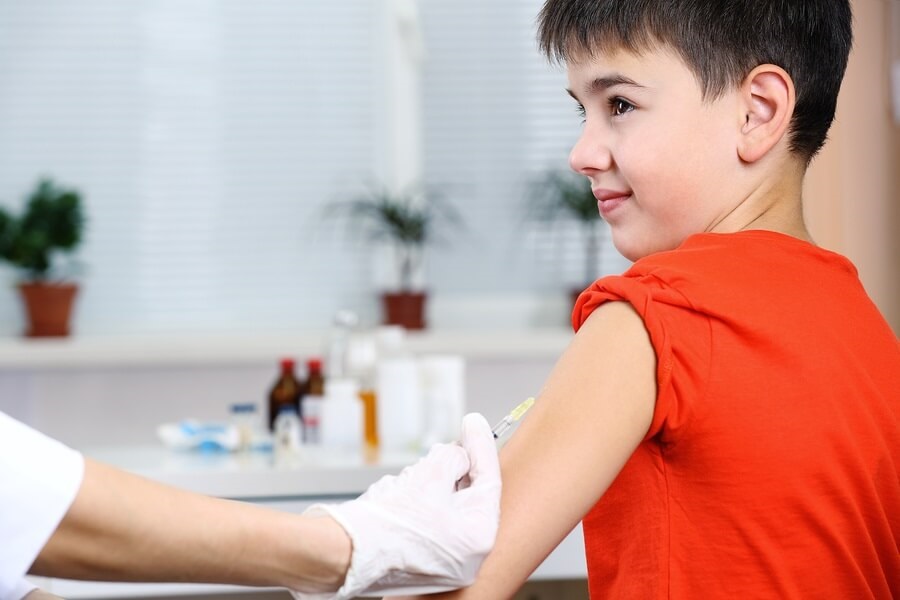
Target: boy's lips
{"type": "Point", "coordinates": [609, 200]}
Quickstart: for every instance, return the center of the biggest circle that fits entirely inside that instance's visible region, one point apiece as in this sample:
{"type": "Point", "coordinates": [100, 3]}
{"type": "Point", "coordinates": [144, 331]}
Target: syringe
{"type": "Point", "coordinates": [506, 423]}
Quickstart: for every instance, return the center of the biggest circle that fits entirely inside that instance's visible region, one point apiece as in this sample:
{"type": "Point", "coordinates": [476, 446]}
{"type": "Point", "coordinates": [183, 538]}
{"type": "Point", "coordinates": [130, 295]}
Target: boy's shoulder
{"type": "Point", "coordinates": [742, 250]}
{"type": "Point", "coordinates": [758, 268]}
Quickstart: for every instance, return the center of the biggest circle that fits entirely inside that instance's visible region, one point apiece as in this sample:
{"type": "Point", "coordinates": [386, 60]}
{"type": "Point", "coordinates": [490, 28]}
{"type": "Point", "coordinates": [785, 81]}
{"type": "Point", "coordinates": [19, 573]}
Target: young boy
{"type": "Point", "coordinates": [725, 421]}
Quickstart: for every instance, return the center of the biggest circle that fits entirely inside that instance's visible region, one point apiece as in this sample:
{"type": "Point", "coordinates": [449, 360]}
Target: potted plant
{"type": "Point", "coordinates": [408, 221]}
{"type": "Point", "coordinates": [563, 195]}
{"type": "Point", "coordinates": [51, 224]}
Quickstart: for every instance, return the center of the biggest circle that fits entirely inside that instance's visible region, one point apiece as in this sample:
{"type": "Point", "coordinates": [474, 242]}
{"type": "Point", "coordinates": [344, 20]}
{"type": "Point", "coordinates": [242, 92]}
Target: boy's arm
{"type": "Point", "coordinates": [596, 407]}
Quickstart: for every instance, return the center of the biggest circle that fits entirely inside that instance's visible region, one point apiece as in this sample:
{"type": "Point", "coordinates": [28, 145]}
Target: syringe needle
{"type": "Point", "coordinates": [506, 422]}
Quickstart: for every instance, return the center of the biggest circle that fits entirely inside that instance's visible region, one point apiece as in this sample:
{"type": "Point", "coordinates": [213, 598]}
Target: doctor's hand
{"type": "Point", "coordinates": [427, 529]}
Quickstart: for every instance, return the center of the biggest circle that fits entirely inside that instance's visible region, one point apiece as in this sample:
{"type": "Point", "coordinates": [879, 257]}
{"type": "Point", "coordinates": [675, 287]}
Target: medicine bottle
{"type": "Point", "coordinates": [285, 392]}
{"type": "Point", "coordinates": [288, 432]}
{"type": "Point", "coordinates": [342, 327]}
{"type": "Point", "coordinates": [311, 401]}
{"type": "Point", "coordinates": [398, 387]}
{"type": "Point", "coordinates": [362, 355]}
{"type": "Point", "coordinates": [443, 379]}
{"type": "Point", "coordinates": [370, 416]}
{"type": "Point", "coordinates": [244, 417]}
{"type": "Point", "coordinates": [341, 427]}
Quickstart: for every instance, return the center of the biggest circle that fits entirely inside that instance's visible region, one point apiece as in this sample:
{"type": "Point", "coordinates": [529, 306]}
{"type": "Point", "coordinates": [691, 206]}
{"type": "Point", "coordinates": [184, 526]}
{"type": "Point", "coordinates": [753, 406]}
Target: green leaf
{"type": "Point", "coordinates": [407, 219]}
{"type": "Point", "coordinates": [52, 222]}
{"type": "Point", "coordinates": [564, 195]}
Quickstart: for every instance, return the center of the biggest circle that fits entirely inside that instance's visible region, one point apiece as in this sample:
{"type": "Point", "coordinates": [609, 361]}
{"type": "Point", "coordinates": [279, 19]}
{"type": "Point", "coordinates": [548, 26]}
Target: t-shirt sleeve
{"type": "Point", "coordinates": [39, 479]}
{"type": "Point", "coordinates": [680, 335]}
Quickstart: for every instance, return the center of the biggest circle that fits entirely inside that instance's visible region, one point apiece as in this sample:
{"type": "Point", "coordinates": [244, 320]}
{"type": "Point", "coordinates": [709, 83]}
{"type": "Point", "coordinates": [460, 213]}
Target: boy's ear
{"type": "Point", "coordinates": [767, 104]}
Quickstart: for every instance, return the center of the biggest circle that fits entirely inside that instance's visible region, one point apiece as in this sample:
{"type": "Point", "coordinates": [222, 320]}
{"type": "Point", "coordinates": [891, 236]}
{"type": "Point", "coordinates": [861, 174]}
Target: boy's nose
{"type": "Point", "coordinates": [589, 154]}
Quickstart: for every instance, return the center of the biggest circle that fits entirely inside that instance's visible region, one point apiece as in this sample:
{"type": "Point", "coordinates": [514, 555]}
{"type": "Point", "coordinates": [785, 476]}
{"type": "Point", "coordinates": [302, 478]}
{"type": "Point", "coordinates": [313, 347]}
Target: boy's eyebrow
{"type": "Point", "coordinates": [601, 84]}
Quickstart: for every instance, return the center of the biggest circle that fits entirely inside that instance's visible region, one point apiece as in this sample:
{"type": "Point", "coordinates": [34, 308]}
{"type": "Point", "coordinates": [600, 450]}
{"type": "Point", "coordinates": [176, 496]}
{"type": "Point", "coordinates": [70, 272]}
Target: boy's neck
{"type": "Point", "coordinates": [774, 204]}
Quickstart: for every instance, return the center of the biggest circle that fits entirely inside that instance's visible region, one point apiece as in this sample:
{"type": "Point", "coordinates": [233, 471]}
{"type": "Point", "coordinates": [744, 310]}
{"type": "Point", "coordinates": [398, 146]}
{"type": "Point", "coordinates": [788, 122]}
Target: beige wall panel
{"type": "Point", "coordinates": [852, 189]}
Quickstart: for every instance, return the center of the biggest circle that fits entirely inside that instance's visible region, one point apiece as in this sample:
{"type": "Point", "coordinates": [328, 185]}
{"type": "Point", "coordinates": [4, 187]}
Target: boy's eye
{"type": "Point", "coordinates": [579, 108]}
{"type": "Point", "coordinates": [620, 106]}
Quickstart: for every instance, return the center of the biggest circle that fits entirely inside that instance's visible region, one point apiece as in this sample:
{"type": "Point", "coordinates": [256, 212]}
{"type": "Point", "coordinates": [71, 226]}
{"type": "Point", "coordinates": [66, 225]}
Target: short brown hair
{"type": "Point", "coordinates": [721, 42]}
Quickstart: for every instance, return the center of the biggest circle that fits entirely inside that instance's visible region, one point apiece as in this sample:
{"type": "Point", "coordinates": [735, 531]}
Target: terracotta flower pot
{"type": "Point", "coordinates": [48, 307]}
{"type": "Point", "coordinates": [405, 308]}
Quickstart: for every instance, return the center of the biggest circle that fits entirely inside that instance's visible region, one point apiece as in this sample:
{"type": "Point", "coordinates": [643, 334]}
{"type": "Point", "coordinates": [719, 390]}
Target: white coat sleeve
{"type": "Point", "coordinates": [39, 479]}
{"type": "Point", "coordinates": [20, 590]}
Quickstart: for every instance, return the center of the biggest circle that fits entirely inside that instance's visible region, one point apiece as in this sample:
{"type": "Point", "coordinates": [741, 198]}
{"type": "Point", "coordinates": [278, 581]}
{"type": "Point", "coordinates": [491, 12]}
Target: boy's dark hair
{"type": "Point", "coordinates": [721, 41]}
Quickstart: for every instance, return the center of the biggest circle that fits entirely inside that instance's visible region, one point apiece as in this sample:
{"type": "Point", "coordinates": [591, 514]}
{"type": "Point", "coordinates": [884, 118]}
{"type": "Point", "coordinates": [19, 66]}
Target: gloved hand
{"type": "Point", "coordinates": [420, 532]}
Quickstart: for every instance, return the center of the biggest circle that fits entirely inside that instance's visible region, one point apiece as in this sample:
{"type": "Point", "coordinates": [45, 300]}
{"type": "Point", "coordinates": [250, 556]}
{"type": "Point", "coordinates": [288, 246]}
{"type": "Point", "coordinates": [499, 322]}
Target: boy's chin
{"type": "Point", "coordinates": [636, 247]}
{"type": "Point", "coordinates": [631, 248]}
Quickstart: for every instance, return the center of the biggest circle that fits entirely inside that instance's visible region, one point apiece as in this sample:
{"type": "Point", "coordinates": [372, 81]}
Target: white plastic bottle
{"type": "Point", "coordinates": [399, 393]}
{"type": "Point", "coordinates": [444, 397]}
{"type": "Point", "coordinates": [341, 421]}
{"type": "Point", "coordinates": [342, 326]}
{"type": "Point", "coordinates": [287, 436]}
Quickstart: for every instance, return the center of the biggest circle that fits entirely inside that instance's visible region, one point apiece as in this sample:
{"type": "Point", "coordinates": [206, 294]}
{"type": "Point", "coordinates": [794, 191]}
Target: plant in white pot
{"type": "Point", "coordinates": [408, 221]}
{"type": "Point", "coordinates": [51, 224]}
{"type": "Point", "coordinates": [564, 195]}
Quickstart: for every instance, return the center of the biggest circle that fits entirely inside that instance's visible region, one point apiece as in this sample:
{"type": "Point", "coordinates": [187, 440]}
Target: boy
{"type": "Point", "coordinates": [725, 421]}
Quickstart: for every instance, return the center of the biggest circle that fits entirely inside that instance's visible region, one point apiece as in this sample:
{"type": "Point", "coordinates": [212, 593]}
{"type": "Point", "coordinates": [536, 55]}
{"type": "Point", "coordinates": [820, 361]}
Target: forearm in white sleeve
{"type": "Point", "coordinates": [39, 479]}
{"type": "Point", "coordinates": [19, 590]}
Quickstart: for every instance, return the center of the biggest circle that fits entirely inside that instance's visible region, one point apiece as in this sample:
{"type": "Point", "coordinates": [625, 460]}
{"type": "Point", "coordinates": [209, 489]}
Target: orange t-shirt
{"type": "Point", "coordinates": [771, 466]}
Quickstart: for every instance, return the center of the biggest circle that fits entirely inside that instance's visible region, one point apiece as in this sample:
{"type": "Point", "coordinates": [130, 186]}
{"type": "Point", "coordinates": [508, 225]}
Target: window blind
{"type": "Point", "coordinates": [208, 135]}
{"type": "Point", "coordinates": [497, 118]}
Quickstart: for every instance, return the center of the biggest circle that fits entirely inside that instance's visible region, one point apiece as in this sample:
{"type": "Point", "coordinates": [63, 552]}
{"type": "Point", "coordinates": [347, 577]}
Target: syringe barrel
{"type": "Point", "coordinates": [502, 427]}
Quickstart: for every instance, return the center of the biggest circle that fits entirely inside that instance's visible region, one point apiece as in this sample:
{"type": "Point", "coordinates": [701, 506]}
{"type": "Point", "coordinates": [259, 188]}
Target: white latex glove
{"type": "Point", "coordinates": [419, 532]}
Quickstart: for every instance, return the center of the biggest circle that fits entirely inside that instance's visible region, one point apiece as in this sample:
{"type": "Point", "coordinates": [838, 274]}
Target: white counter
{"type": "Point", "coordinates": [200, 350]}
{"type": "Point", "coordinates": [254, 478]}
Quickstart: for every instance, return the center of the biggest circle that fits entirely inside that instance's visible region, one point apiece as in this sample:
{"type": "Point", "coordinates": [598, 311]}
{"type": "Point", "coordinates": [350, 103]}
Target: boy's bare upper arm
{"type": "Point", "coordinates": [594, 410]}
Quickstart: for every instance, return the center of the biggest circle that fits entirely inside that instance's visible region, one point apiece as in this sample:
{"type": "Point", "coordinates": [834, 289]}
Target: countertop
{"type": "Point", "coordinates": [184, 350]}
{"type": "Point", "coordinates": [255, 475]}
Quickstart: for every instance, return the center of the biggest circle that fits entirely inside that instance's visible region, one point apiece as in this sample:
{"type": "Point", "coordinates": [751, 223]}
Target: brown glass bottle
{"type": "Point", "coordinates": [311, 400]}
{"type": "Point", "coordinates": [285, 392]}
{"type": "Point", "coordinates": [315, 380]}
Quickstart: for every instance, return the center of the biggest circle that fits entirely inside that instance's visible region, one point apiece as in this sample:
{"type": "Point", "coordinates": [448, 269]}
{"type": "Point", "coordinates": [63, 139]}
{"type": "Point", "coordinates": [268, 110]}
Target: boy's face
{"type": "Point", "coordinates": [662, 162]}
